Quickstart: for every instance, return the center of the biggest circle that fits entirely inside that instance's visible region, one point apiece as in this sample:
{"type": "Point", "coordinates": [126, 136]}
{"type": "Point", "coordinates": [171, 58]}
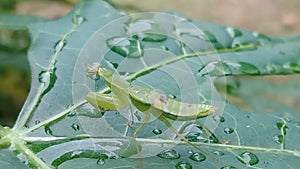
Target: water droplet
{"type": "Point", "coordinates": [233, 32]}
{"type": "Point", "coordinates": [78, 19]}
{"type": "Point", "coordinates": [23, 158]}
{"type": "Point", "coordinates": [210, 37]}
{"type": "Point", "coordinates": [249, 69]}
{"type": "Point", "coordinates": [282, 126]}
{"type": "Point", "coordinates": [196, 156]}
{"type": "Point", "coordinates": [218, 153]}
{"type": "Point", "coordinates": [248, 158]}
{"type": "Point", "coordinates": [157, 131]}
{"type": "Point", "coordinates": [219, 118]}
{"type": "Point", "coordinates": [228, 167]}
{"type": "Point", "coordinates": [147, 30]}
{"type": "Point", "coordinates": [190, 151]}
{"type": "Point", "coordinates": [165, 48]}
{"type": "Point", "coordinates": [95, 77]}
{"type": "Point", "coordinates": [101, 161]}
{"type": "Point", "coordinates": [127, 47]}
{"type": "Point", "coordinates": [44, 77]}
{"type": "Point", "coordinates": [263, 39]}
{"type": "Point", "coordinates": [295, 67]}
{"type": "Point", "coordinates": [228, 130]}
{"type": "Point", "coordinates": [278, 139]}
{"type": "Point", "coordinates": [72, 113]}
{"type": "Point", "coordinates": [271, 69]}
{"type": "Point", "coordinates": [75, 127]}
{"type": "Point", "coordinates": [59, 45]}
{"type": "Point", "coordinates": [171, 96]}
{"type": "Point", "coordinates": [48, 130]}
{"type": "Point", "coordinates": [37, 122]}
{"type": "Point", "coordinates": [169, 154]}
{"type": "Point", "coordinates": [183, 165]}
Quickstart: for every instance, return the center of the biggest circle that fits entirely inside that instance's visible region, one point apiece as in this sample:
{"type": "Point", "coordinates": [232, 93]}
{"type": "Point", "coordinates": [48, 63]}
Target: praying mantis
{"type": "Point", "coordinates": [144, 99]}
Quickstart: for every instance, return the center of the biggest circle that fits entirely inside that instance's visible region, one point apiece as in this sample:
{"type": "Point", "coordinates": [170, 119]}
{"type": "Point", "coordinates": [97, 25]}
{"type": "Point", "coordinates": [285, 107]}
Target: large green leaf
{"type": "Point", "coordinates": [162, 51]}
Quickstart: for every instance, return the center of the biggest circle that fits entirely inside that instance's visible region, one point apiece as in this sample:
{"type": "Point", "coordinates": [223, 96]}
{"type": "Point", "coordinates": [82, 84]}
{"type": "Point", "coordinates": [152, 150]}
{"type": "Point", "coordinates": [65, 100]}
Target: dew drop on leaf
{"type": "Point", "coordinates": [248, 158]}
{"type": "Point", "coordinates": [147, 30]}
{"type": "Point", "coordinates": [165, 48]}
{"type": "Point", "coordinates": [295, 67]}
{"type": "Point", "coordinates": [233, 32]}
{"type": "Point", "coordinates": [228, 167]}
{"type": "Point", "coordinates": [218, 153]}
{"type": "Point", "coordinates": [127, 47]}
{"type": "Point", "coordinates": [183, 165]}
{"type": "Point", "coordinates": [282, 126]}
{"type": "Point", "coordinates": [75, 127]}
{"type": "Point", "coordinates": [44, 77]}
{"type": "Point", "coordinates": [101, 161]}
{"type": "Point", "coordinates": [157, 131]}
{"type": "Point", "coordinates": [219, 118]}
{"type": "Point", "coordinates": [59, 45]}
{"type": "Point", "coordinates": [171, 96]}
{"type": "Point", "coordinates": [37, 122]}
{"type": "Point", "coordinates": [47, 130]}
{"type": "Point", "coordinates": [210, 37]}
{"type": "Point", "coordinates": [228, 130]}
{"type": "Point", "coordinates": [196, 156]}
{"type": "Point", "coordinates": [278, 138]}
{"type": "Point", "coordinates": [249, 69]}
{"type": "Point", "coordinates": [271, 69]}
{"type": "Point", "coordinates": [169, 154]}
{"type": "Point", "coordinates": [78, 19]}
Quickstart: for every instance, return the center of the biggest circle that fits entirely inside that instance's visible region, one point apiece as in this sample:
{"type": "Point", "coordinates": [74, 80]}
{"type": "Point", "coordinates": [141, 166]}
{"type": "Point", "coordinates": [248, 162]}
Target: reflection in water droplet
{"type": "Point", "coordinates": [75, 127]}
{"type": "Point", "coordinates": [157, 131]}
{"type": "Point", "coordinates": [248, 158]}
{"type": "Point", "coordinates": [218, 153]}
{"type": "Point", "coordinates": [169, 154]}
{"type": "Point", "coordinates": [183, 165]}
{"type": "Point", "coordinates": [147, 30]}
{"type": "Point", "coordinates": [78, 19]}
{"type": "Point", "coordinates": [127, 47]}
{"type": "Point", "coordinates": [233, 32]}
{"type": "Point", "coordinates": [219, 118]}
{"type": "Point", "coordinates": [278, 139]}
{"type": "Point", "coordinates": [196, 156]}
{"type": "Point", "coordinates": [228, 130]}
{"type": "Point", "coordinates": [249, 69]}
{"type": "Point", "coordinates": [228, 167]}
{"type": "Point", "coordinates": [59, 45]}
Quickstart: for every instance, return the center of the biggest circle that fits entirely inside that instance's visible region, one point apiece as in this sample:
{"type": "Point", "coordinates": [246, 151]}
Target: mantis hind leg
{"type": "Point", "coordinates": [169, 125]}
{"type": "Point", "coordinates": [146, 119]}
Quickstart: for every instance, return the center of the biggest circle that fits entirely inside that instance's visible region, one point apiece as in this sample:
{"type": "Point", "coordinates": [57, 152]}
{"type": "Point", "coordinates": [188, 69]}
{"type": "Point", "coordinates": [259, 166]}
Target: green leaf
{"type": "Point", "coordinates": [9, 160]}
{"type": "Point", "coordinates": [162, 51]}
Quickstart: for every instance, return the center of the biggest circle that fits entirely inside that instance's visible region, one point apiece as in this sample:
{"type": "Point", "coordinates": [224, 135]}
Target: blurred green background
{"type": "Point", "coordinates": [272, 17]}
